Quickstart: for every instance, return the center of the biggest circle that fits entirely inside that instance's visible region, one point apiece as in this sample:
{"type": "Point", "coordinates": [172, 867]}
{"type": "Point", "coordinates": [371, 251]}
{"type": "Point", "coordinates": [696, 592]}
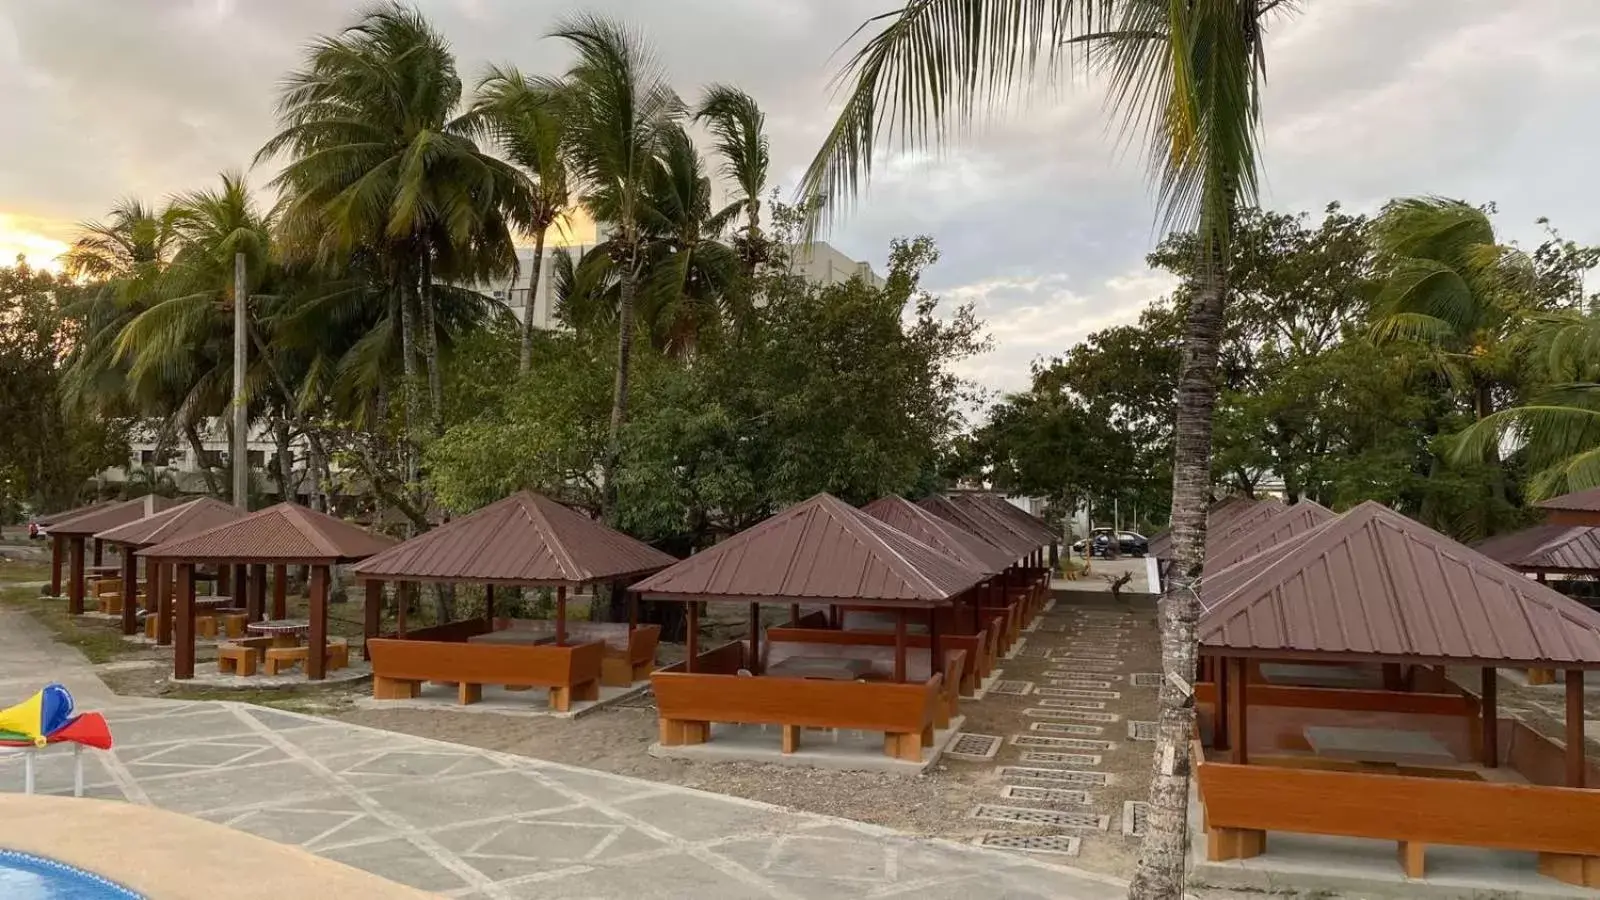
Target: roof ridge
{"type": "Point", "coordinates": [530, 503]}
{"type": "Point", "coordinates": [870, 525]}
{"type": "Point", "coordinates": [298, 517]}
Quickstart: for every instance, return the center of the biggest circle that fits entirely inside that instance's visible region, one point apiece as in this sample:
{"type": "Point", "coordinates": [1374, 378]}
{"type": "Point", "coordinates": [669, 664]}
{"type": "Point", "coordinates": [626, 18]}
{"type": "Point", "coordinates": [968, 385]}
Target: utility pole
{"type": "Point", "coordinates": [241, 423]}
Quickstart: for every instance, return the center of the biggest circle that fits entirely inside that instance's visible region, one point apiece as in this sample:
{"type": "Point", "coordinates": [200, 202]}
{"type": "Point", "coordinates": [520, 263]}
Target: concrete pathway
{"type": "Point", "coordinates": [466, 822]}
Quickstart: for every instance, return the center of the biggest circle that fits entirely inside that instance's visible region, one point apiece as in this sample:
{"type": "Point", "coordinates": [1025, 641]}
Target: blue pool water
{"type": "Point", "coordinates": [24, 876]}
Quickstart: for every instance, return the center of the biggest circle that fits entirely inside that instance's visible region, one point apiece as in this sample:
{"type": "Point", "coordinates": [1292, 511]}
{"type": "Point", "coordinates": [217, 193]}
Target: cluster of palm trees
{"type": "Point", "coordinates": [397, 193]}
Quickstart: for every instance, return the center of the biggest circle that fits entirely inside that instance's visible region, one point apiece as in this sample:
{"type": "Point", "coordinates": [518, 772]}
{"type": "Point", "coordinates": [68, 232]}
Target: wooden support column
{"type": "Point", "coordinates": [256, 602]}
{"type": "Point", "coordinates": [1577, 764]}
{"type": "Point", "coordinates": [633, 608]}
{"type": "Point", "coordinates": [754, 662]}
{"type": "Point", "coordinates": [1490, 690]}
{"type": "Point", "coordinates": [1239, 714]}
{"type": "Point", "coordinates": [835, 619]}
{"type": "Point", "coordinates": [99, 552]}
{"type": "Point", "coordinates": [160, 582]}
{"type": "Point", "coordinates": [372, 614]}
{"type": "Point", "coordinates": [75, 576]}
{"type": "Point", "coordinates": [794, 615]}
{"type": "Point", "coordinates": [317, 652]}
{"type": "Point", "coordinates": [1219, 723]}
{"type": "Point", "coordinates": [900, 646]}
{"type": "Point", "coordinates": [57, 554]}
{"type": "Point", "coordinates": [975, 597]}
{"type": "Point", "coordinates": [402, 599]}
{"type": "Point", "coordinates": [561, 615]}
{"type": "Point", "coordinates": [1055, 557]}
{"type": "Point", "coordinates": [488, 604]}
{"type": "Point", "coordinates": [130, 591]}
{"type": "Point", "coordinates": [183, 653]}
{"type": "Point", "coordinates": [692, 637]}
{"type": "Point", "coordinates": [224, 582]}
{"type": "Point", "coordinates": [280, 592]}
{"type": "Point", "coordinates": [240, 585]}
{"type": "Point", "coordinates": [935, 656]}
{"type": "Point", "coordinates": [1539, 577]}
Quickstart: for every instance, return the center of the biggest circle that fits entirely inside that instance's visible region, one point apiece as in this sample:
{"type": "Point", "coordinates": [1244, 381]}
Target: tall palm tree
{"type": "Point", "coordinates": [1188, 77]}
{"type": "Point", "coordinates": [520, 114]}
{"type": "Point", "coordinates": [739, 128]}
{"type": "Point", "coordinates": [380, 164]}
{"type": "Point", "coordinates": [615, 107]}
{"type": "Point", "coordinates": [1452, 287]}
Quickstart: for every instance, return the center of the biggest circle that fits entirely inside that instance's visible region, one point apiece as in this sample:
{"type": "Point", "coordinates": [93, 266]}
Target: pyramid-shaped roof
{"type": "Point", "coordinates": [174, 522]}
{"type": "Point", "coordinates": [1014, 517]}
{"type": "Point", "coordinates": [820, 549]}
{"type": "Point", "coordinates": [112, 515]}
{"type": "Point", "coordinates": [1274, 530]}
{"type": "Point", "coordinates": [1587, 500]}
{"type": "Point", "coordinates": [61, 516]}
{"type": "Point", "coordinates": [287, 532]}
{"type": "Point", "coordinates": [991, 532]}
{"type": "Point", "coordinates": [1374, 584]}
{"type": "Point", "coordinates": [1547, 548]}
{"type": "Point", "coordinates": [526, 538]}
{"type": "Point", "coordinates": [1028, 537]}
{"type": "Point", "coordinates": [1218, 515]}
{"type": "Point", "coordinates": [964, 546]}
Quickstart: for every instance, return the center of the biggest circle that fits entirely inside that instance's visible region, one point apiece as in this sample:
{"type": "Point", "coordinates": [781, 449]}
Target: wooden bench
{"type": "Point", "coordinates": [629, 656]}
{"type": "Point", "coordinates": [400, 666]}
{"type": "Point", "coordinates": [336, 654]}
{"type": "Point", "coordinates": [233, 624]}
{"type": "Point", "coordinates": [689, 702]}
{"type": "Point", "coordinates": [777, 648]}
{"type": "Point", "coordinates": [965, 679]}
{"type": "Point", "coordinates": [233, 659]}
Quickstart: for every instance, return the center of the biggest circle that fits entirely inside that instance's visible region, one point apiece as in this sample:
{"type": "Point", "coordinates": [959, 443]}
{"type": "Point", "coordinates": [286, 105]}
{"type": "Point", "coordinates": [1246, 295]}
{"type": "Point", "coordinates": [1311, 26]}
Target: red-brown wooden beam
{"type": "Point", "coordinates": [935, 656]}
{"type": "Point", "coordinates": [280, 592]}
{"type": "Point", "coordinates": [256, 602]}
{"type": "Point", "coordinates": [402, 600]}
{"type": "Point", "coordinates": [99, 552]}
{"type": "Point", "coordinates": [57, 554]}
{"type": "Point", "coordinates": [561, 615]}
{"type": "Point", "coordinates": [372, 614]}
{"type": "Point", "coordinates": [1238, 712]}
{"type": "Point", "coordinates": [75, 576]}
{"type": "Point", "coordinates": [900, 646]}
{"type": "Point", "coordinates": [183, 652]}
{"type": "Point", "coordinates": [1577, 762]}
{"type": "Point", "coordinates": [159, 580]}
{"type": "Point", "coordinates": [1489, 701]}
{"type": "Point", "coordinates": [317, 653]}
{"type": "Point", "coordinates": [130, 591]}
{"type": "Point", "coordinates": [1219, 723]}
{"type": "Point", "coordinates": [240, 585]}
{"type": "Point", "coordinates": [692, 638]}
{"type": "Point", "coordinates": [755, 638]}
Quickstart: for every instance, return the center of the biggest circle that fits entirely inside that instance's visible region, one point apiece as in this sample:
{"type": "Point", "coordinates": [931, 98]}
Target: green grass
{"type": "Point", "coordinates": [99, 643]}
{"type": "Point", "coordinates": [14, 570]}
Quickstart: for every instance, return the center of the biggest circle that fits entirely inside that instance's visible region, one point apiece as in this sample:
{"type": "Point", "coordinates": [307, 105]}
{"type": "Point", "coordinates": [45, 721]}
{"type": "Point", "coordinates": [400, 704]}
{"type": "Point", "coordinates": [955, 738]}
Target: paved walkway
{"type": "Point", "coordinates": [472, 823]}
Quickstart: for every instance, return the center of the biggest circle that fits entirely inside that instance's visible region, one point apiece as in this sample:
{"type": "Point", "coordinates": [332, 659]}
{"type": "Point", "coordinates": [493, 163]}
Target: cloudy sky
{"type": "Point", "coordinates": [1040, 219]}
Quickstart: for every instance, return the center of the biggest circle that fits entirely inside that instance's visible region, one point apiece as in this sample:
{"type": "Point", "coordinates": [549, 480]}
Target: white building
{"type": "Point", "coordinates": [822, 263]}
{"type": "Point", "coordinates": [184, 464]}
{"type": "Point", "coordinates": [515, 293]}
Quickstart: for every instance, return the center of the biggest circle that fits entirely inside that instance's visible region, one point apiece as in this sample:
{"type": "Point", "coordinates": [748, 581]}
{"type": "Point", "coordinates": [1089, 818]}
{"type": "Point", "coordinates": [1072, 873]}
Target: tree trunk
{"type": "Point", "coordinates": [199, 450]}
{"type": "Point", "coordinates": [1160, 875]}
{"type": "Point", "coordinates": [619, 394]}
{"type": "Point", "coordinates": [430, 347]}
{"type": "Point", "coordinates": [526, 361]}
{"type": "Point", "coordinates": [408, 354]}
{"type": "Point", "coordinates": [280, 436]}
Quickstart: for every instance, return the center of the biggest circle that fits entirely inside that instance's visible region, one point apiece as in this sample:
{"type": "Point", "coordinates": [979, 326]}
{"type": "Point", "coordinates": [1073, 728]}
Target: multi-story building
{"type": "Point", "coordinates": [149, 459]}
{"type": "Point", "coordinates": [822, 263]}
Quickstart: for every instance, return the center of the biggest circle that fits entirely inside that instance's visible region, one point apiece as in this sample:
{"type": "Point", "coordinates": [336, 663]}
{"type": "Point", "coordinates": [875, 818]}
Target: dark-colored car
{"type": "Point", "coordinates": [1129, 543]}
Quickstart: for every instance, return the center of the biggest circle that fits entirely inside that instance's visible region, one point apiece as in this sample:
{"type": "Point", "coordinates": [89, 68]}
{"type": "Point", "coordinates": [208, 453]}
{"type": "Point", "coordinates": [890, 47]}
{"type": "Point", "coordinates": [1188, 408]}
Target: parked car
{"type": "Point", "coordinates": [1129, 543]}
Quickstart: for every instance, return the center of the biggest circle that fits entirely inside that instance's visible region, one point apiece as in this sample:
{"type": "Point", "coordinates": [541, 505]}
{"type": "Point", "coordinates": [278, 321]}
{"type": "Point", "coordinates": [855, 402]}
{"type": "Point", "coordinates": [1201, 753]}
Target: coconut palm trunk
{"type": "Point", "coordinates": [619, 394]}
{"type": "Point", "coordinates": [525, 362]}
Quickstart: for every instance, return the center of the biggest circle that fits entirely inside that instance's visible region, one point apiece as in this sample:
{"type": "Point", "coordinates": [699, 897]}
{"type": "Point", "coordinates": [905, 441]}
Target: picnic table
{"type": "Point", "coordinates": [823, 668]}
{"type": "Point", "coordinates": [1376, 745]}
{"type": "Point", "coordinates": [518, 636]}
{"type": "Point", "coordinates": [284, 632]}
{"type": "Point", "coordinates": [213, 601]}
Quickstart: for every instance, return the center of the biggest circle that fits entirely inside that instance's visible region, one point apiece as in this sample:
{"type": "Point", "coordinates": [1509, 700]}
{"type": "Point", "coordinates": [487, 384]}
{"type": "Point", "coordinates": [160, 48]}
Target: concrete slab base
{"type": "Point", "coordinates": [821, 748]}
{"type": "Point", "coordinates": [984, 685]}
{"type": "Point", "coordinates": [206, 675]}
{"type": "Point", "coordinates": [1306, 865]}
{"type": "Point", "coordinates": [500, 701]}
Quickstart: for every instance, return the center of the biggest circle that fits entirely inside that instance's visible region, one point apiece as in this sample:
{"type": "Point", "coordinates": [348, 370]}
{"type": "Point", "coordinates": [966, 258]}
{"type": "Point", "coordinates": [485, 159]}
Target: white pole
{"type": "Point", "coordinates": [241, 424]}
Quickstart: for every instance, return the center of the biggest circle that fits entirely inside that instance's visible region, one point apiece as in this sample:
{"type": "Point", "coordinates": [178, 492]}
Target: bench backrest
{"type": "Point", "coordinates": [543, 665]}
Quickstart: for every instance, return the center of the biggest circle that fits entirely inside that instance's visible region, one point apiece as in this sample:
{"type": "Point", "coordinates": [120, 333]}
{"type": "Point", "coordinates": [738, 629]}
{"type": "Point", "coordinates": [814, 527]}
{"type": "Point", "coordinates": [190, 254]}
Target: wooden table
{"type": "Point", "coordinates": [1376, 745]}
{"type": "Point", "coordinates": [825, 668]}
{"type": "Point", "coordinates": [217, 601]}
{"type": "Point", "coordinates": [284, 632]}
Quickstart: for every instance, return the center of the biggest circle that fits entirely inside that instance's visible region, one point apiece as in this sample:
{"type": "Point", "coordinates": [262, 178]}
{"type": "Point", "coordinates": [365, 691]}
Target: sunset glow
{"type": "Point", "coordinates": [19, 237]}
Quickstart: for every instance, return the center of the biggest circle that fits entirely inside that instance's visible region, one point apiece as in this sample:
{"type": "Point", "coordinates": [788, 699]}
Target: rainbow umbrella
{"type": "Point", "coordinates": [47, 718]}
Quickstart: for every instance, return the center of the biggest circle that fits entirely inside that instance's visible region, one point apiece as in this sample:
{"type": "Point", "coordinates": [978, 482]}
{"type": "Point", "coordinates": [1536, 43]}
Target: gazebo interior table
{"type": "Point", "coordinates": [1327, 708]}
{"type": "Point", "coordinates": [824, 553]}
{"type": "Point", "coordinates": [525, 541]}
{"type": "Point", "coordinates": [137, 594]}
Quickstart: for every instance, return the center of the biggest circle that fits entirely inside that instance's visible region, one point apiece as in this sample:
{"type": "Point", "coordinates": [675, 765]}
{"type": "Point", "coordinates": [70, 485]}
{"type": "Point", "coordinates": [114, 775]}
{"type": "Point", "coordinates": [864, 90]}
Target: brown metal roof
{"type": "Point", "coordinates": [1017, 518]}
{"type": "Point", "coordinates": [526, 538]}
{"type": "Point", "coordinates": [65, 514]}
{"type": "Point", "coordinates": [1219, 585]}
{"type": "Point", "coordinates": [1014, 545]}
{"type": "Point", "coordinates": [1218, 515]}
{"type": "Point", "coordinates": [1277, 528]}
{"type": "Point", "coordinates": [112, 515]}
{"type": "Point", "coordinates": [821, 549]}
{"type": "Point", "coordinates": [1549, 548]}
{"type": "Point", "coordinates": [175, 522]}
{"type": "Point", "coordinates": [287, 532]}
{"type": "Point", "coordinates": [1577, 501]}
{"type": "Point", "coordinates": [967, 548]}
{"type": "Point", "coordinates": [1376, 584]}
{"type": "Point", "coordinates": [1027, 536]}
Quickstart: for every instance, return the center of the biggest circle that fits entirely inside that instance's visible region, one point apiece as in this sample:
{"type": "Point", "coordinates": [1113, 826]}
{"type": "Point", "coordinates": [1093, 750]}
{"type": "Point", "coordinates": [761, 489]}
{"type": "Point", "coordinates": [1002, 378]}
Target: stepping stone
{"type": "Point", "coordinates": [1051, 844]}
{"type": "Point", "coordinates": [1055, 776]}
{"type": "Point", "coordinates": [974, 747]}
{"type": "Point", "coordinates": [1135, 813]}
{"type": "Point", "coordinates": [1052, 796]}
{"type": "Point", "coordinates": [1066, 728]}
{"type": "Point", "coordinates": [1012, 688]}
{"type": "Point", "coordinates": [1077, 692]}
{"type": "Point", "coordinates": [1057, 758]}
{"type": "Point", "coordinates": [1146, 679]}
{"type": "Point", "coordinates": [1071, 715]}
{"type": "Point", "coordinates": [1053, 703]}
{"type": "Point", "coordinates": [1023, 815]}
{"type": "Point", "coordinates": [1044, 742]}
{"type": "Point", "coordinates": [1143, 731]}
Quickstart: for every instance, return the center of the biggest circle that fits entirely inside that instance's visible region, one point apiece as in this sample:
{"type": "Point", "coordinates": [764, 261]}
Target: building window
{"type": "Point", "coordinates": [257, 458]}
{"type": "Point", "coordinates": [147, 458]}
{"type": "Point", "coordinates": [213, 459]}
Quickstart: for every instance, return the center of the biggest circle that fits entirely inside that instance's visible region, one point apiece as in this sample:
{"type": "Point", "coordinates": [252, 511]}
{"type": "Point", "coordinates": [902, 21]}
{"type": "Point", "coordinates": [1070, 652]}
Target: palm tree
{"type": "Point", "coordinates": [615, 106]}
{"type": "Point", "coordinates": [739, 127]}
{"type": "Point", "coordinates": [1187, 76]}
{"type": "Point", "coordinates": [381, 166]}
{"type": "Point", "coordinates": [518, 111]}
{"type": "Point", "coordinates": [1452, 287]}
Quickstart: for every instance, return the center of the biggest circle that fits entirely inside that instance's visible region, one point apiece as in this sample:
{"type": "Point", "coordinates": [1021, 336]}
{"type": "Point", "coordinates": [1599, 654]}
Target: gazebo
{"type": "Point", "coordinates": [1547, 550]}
{"type": "Point", "coordinates": [1025, 582]}
{"type": "Point", "coordinates": [77, 530]}
{"type": "Point", "coordinates": [821, 551]}
{"type": "Point", "coordinates": [1576, 508]}
{"type": "Point", "coordinates": [1219, 516]}
{"type": "Point", "coordinates": [1421, 761]}
{"type": "Point", "coordinates": [526, 540]}
{"type": "Point", "coordinates": [979, 504]}
{"type": "Point", "coordinates": [175, 522]}
{"type": "Point", "coordinates": [283, 535]}
{"type": "Point", "coordinates": [58, 545]}
{"type": "Point", "coordinates": [1232, 546]}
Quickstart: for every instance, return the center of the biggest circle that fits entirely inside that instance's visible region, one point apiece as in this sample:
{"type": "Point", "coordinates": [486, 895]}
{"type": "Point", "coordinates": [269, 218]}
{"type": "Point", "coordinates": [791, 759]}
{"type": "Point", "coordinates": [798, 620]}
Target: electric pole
{"type": "Point", "coordinates": [241, 424]}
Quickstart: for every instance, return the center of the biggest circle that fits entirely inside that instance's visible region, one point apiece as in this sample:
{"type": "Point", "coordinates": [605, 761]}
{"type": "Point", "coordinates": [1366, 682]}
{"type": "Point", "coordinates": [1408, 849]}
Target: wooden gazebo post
{"type": "Point", "coordinates": [57, 551]}
{"type": "Point", "coordinates": [1238, 712]}
{"type": "Point", "coordinates": [183, 654]}
{"type": "Point", "coordinates": [99, 552]}
{"type": "Point", "coordinates": [1577, 762]}
{"type": "Point", "coordinates": [372, 613]}
{"type": "Point", "coordinates": [161, 585]}
{"type": "Point", "coordinates": [755, 638]}
{"type": "Point", "coordinates": [317, 654]}
{"type": "Point", "coordinates": [1490, 690]}
{"type": "Point", "coordinates": [280, 591]}
{"type": "Point", "coordinates": [256, 603]}
{"type": "Point", "coordinates": [75, 576]}
{"type": "Point", "coordinates": [130, 589]}
{"type": "Point", "coordinates": [561, 615]}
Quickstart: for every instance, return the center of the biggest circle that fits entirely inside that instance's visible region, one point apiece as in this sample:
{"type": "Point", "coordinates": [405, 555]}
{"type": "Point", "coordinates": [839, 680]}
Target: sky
{"type": "Point", "coordinates": [1042, 217]}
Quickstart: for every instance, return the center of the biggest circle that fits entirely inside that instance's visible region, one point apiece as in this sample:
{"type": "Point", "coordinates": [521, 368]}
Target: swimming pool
{"type": "Point", "coordinates": [24, 876]}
